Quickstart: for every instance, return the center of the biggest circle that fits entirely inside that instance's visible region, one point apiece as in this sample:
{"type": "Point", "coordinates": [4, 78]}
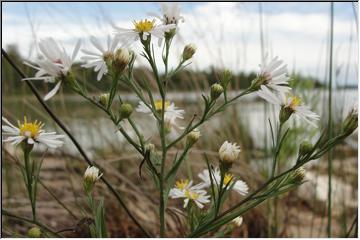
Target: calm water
{"type": "Point", "coordinates": [95, 132]}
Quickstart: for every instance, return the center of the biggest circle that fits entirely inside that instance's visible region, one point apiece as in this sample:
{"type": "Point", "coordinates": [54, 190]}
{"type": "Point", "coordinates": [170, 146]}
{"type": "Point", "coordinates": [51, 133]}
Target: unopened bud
{"type": "Point", "coordinates": [305, 148]}
{"type": "Point", "coordinates": [125, 110]}
{"type": "Point", "coordinates": [189, 51]}
{"type": "Point", "coordinates": [104, 99]}
{"type": "Point", "coordinates": [229, 153]}
{"type": "Point", "coordinates": [150, 147]}
{"type": "Point", "coordinates": [91, 175]}
{"type": "Point", "coordinates": [192, 137]}
{"type": "Point", "coordinates": [216, 91]}
{"type": "Point", "coordinates": [298, 175]}
{"type": "Point", "coordinates": [284, 114]}
{"type": "Point", "coordinates": [34, 232]}
{"type": "Point", "coordinates": [225, 79]}
{"type": "Point", "coordinates": [122, 58]}
{"type": "Point", "coordinates": [350, 123]}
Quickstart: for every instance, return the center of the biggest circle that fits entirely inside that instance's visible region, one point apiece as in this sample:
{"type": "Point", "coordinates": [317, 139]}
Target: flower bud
{"type": "Point", "coordinates": [122, 58]}
{"type": "Point", "coordinates": [228, 152]}
{"type": "Point", "coordinates": [351, 122]}
{"type": "Point", "coordinates": [125, 110]}
{"type": "Point", "coordinates": [298, 175]}
{"type": "Point", "coordinates": [192, 137]}
{"type": "Point", "coordinates": [189, 51]}
{"type": "Point", "coordinates": [305, 148]}
{"type": "Point", "coordinates": [90, 177]}
{"type": "Point", "coordinates": [238, 221]}
{"type": "Point", "coordinates": [216, 91]}
{"type": "Point", "coordinates": [104, 99]}
{"type": "Point", "coordinates": [284, 114]}
{"type": "Point", "coordinates": [225, 80]}
{"type": "Point", "coordinates": [150, 147]}
{"type": "Point", "coordinates": [34, 232]}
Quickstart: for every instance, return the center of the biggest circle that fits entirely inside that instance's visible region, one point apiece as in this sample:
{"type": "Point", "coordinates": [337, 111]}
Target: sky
{"type": "Point", "coordinates": [227, 35]}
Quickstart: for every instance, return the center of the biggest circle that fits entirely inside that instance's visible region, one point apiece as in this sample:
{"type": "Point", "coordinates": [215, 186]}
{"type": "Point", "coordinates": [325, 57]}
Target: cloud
{"type": "Point", "coordinates": [227, 35]}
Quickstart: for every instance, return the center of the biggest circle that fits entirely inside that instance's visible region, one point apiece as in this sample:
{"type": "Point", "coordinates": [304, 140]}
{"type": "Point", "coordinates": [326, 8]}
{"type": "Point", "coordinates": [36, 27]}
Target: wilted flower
{"type": "Point", "coordinates": [192, 137]}
{"type": "Point", "coordinates": [238, 221]}
{"type": "Point", "coordinates": [125, 110]}
{"type": "Point", "coordinates": [184, 189]}
{"type": "Point", "coordinates": [122, 59]}
{"type": "Point", "coordinates": [142, 30]}
{"type": "Point", "coordinates": [31, 133]}
{"type": "Point", "coordinates": [55, 65]}
{"type": "Point", "coordinates": [271, 77]}
{"type": "Point", "coordinates": [239, 186]}
{"type": "Point", "coordinates": [189, 51]}
{"type": "Point", "coordinates": [216, 91]}
{"type": "Point", "coordinates": [351, 121]}
{"type": "Point", "coordinates": [229, 152]}
{"type": "Point", "coordinates": [103, 58]}
{"type": "Point", "coordinates": [91, 175]}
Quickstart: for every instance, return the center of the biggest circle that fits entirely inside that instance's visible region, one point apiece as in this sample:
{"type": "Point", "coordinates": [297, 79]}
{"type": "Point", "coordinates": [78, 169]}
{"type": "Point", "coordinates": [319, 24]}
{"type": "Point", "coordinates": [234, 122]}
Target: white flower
{"type": "Point", "coordinates": [184, 189]}
{"type": "Point", "coordinates": [55, 65]}
{"type": "Point", "coordinates": [239, 186]}
{"type": "Point", "coordinates": [272, 76]}
{"type": "Point", "coordinates": [92, 174]}
{"type": "Point", "coordinates": [229, 152]}
{"type": "Point", "coordinates": [170, 13]}
{"type": "Point", "coordinates": [143, 29]}
{"type": "Point", "coordinates": [238, 221]}
{"type": "Point", "coordinates": [31, 132]}
{"type": "Point", "coordinates": [293, 105]}
{"type": "Point", "coordinates": [172, 113]}
{"type": "Point", "coordinates": [98, 60]}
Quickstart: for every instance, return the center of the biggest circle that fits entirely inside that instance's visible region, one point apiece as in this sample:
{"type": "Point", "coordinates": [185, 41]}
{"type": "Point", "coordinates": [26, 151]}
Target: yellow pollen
{"type": "Point", "coordinates": [228, 178]}
{"type": "Point", "coordinates": [144, 25]}
{"type": "Point", "coordinates": [294, 101]}
{"type": "Point", "coordinates": [158, 105]}
{"type": "Point", "coordinates": [182, 184]}
{"type": "Point", "coordinates": [191, 195]}
{"type": "Point", "coordinates": [30, 129]}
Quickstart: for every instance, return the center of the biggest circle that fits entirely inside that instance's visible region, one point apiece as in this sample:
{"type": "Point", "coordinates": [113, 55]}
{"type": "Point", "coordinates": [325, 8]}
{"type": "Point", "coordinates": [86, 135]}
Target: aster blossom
{"type": "Point", "coordinates": [272, 77]}
{"type": "Point", "coordinates": [100, 58]}
{"type": "Point", "coordinates": [142, 30]}
{"type": "Point", "coordinates": [31, 133]}
{"type": "Point", "coordinates": [229, 152]}
{"type": "Point", "coordinates": [184, 189]}
{"type": "Point", "coordinates": [239, 186]}
{"type": "Point", "coordinates": [54, 66]}
{"type": "Point", "coordinates": [170, 13]}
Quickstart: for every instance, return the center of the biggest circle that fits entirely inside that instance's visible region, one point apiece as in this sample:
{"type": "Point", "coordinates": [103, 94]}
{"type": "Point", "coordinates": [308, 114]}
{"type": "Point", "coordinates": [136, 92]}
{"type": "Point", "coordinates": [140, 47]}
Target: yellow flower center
{"type": "Point", "coordinates": [182, 184]}
{"type": "Point", "coordinates": [293, 101]}
{"type": "Point", "coordinates": [30, 129]}
{"type": "Point", "coordinates": [158, 105]}
{"type": "Point", "coordinates": [144, 25]}
{"type": "Point", "coordinates": [191, 195]}
{"type": "Point", "coordinates": [228, 178]}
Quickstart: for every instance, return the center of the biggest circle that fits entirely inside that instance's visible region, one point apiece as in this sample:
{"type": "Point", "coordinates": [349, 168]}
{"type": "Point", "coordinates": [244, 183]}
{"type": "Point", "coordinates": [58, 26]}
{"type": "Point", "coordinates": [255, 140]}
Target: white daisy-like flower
{"type": "Point", "coordinates": [239, 186]}
{"type": "Point", "coordinates": [293, 105]}
{"type": "Point", "coordinates": [143, 29]}
{"type": "Point", "coordinates": [170, 13]}
{"type": "Point", "coordinates": [172, 113]}
{"type": "Point", "coordinates": [92, 174]}
{"type": "Point", "coordinates": [98, 60]}
{"type": "Point", "coordinates": [31, 132]}
{"type": "Point", "coordinates": [184, 189]}
{"type": "Point", "coordinates": [272, 76]}
{"type": "Point", "coordinates": [229, 152]}
{"type": "Point", "coordinates": [55, 65]}
{"type": "Point", "coordinates": [238, 221]}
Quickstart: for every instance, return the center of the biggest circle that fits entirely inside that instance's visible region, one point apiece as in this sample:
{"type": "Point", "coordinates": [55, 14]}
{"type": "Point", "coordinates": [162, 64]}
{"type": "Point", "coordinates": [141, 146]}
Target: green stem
{"type": "Point", "coordinates": [29, 179]}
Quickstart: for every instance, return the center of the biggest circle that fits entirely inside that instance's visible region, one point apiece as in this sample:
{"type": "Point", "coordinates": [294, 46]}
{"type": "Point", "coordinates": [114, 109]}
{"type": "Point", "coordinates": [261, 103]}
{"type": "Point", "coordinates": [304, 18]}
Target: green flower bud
{"type": "Point", "coordinates": [305, 148]}
{"type": "Point", "coordinates": [298, 175]}
{"type": "Point", "coordinates": [284, 114]}
{"type": "Point", "coordinates": [34, 232]}
{"type": "Point", "coordinates": [225, 80]}
{"type": "Point", "coordinates": [125, 110]}
{"type": "Point", "coordinates": [104, 99]}
{"type": "Point", "coordinates": [192, 137]}
{"type": "Point", "coordinates": [216, 91]}
{"type": "Point", "coordinates": [122, 59]}
{"type": "Point", "coordinates": [189, 51]}
{"type": "Point", "coordinates": [350, 123]}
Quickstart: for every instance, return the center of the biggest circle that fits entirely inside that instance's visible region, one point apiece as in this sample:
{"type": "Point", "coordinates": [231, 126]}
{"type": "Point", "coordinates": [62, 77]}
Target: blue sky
{"type": "Point", "coordinates": [227, 34]}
